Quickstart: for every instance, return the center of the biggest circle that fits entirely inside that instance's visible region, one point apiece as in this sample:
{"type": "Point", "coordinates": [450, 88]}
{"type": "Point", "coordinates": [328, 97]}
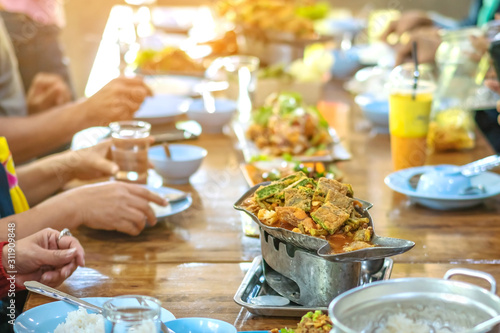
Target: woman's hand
{"type": "Point", "coordinates": [46, 91]}
{"type": "Point", "coordinates": [427, 39]}
{"type": "Point", "coordinates": [118, 100]}
{"type": "Point", "coordinates": [406, 23]}
{"type": "Point", "coordinates": [112, 206]}
{"type": "Point", "coordinates": [88, 163]}
{"type": "Point", "coordinates": [42, 257]}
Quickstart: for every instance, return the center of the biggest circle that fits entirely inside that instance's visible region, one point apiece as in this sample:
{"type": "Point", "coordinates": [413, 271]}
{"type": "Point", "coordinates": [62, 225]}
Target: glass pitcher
{"type": "Point", "coordinates": [451, 125]}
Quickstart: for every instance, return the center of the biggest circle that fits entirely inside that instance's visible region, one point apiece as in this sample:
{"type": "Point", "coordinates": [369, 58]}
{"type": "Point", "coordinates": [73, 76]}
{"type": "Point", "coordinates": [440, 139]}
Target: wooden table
{"type": "Point", "coordinates": [195, 261]}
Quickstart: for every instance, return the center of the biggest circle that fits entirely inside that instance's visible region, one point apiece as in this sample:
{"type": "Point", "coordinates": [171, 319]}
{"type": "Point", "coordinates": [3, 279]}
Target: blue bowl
{"type": "Point", "coordinates": [375, 110]}
{"type": "Point", "coordinates": [200, 325]}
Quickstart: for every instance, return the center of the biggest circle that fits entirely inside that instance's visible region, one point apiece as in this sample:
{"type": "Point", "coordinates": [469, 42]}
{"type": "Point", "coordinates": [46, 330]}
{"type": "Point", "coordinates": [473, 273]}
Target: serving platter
{"type": "Point", "coordinates": [334, 152]}
{"type": "Point", "coordinates": [253, 172]}
{"type": "Point", "coordinates": [384, 246]}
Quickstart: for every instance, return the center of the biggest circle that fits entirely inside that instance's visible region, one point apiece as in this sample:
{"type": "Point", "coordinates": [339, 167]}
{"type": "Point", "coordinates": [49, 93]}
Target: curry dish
{"type": "Point", "coordinates": [322, 208]}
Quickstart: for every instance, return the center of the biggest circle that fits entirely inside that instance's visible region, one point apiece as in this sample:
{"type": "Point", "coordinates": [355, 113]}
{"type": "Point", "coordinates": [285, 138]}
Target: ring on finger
{"type": "Point", "coordinates": [64, 232]}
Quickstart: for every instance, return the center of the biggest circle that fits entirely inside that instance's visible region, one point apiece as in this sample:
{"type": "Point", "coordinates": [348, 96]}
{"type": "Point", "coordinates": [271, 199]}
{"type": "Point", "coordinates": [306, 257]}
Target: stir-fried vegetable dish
{"type": "Point", "coordinates": [311, 322]}
{"type": "Point", "coordinates": [284, 126]}
{"type": "Point", "coordinates": [322, 208]}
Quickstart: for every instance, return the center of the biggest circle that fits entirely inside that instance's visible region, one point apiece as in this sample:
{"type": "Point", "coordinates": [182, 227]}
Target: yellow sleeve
{"type": "Point", "coordinates": [18, 199]}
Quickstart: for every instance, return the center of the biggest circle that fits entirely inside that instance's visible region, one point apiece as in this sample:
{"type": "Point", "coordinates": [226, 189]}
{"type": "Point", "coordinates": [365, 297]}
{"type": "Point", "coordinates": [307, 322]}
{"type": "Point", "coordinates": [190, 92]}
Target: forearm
{"type": "Point", "coordinates": [44, 177]}
{"type": "Point", "coordinates": [52, 213]}
{"type": "Point", "coordinates": [32, 136]}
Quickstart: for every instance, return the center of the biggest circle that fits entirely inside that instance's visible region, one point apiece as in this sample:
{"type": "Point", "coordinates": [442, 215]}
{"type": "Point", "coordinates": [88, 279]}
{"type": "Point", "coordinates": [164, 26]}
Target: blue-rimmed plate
{"type": "Point", "coordinates": [46, 317]}
{"type": "Point", "coordinates": [399, 182]}
{"type": "Point", "coordinates": [174, 207]}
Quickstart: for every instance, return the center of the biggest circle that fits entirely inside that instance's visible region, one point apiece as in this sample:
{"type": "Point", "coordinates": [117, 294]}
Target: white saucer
{"type": "Point", "coordinates": [89, 137]}
{"type": "Point", "coordinates": [399, 182]}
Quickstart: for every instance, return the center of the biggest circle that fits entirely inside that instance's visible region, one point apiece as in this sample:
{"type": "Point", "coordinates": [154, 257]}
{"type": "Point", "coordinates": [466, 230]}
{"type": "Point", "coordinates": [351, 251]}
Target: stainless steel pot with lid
{"type": "Point", "coordinates": [416, 305]}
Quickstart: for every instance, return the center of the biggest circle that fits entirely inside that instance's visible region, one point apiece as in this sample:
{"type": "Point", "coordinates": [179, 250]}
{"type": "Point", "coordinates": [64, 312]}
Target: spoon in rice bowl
{"type": "Point", "coordinates": [45, 290]}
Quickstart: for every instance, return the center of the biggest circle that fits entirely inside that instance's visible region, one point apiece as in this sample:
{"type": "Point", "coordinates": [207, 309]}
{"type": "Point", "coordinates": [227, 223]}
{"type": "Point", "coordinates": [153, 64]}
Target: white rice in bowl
{"type": "Point", "coordinates": [398, 323]}
{"type": "Point", "coordinates": [80, 321]}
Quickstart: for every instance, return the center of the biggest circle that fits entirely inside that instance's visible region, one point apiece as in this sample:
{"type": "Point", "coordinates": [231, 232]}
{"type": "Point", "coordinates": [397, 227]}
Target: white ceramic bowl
{"type": "Point", "coordinates": [212, 122]}
{"type": "Point", "coordinates": [375, 110]}
{"type": "Point", "coordinates": [185, 161]}
{"type": "Point", "coordinates": [200, 325]}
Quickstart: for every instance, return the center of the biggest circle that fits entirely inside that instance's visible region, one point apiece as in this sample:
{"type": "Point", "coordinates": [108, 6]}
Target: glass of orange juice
{"type": "Point", "coordinates": [410, 104]}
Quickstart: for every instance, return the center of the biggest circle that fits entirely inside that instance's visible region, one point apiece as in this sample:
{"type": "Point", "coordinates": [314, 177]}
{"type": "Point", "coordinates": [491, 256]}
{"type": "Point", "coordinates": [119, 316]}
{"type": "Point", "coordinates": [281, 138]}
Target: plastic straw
{"type": "Point", "coordinates": [416, 73]}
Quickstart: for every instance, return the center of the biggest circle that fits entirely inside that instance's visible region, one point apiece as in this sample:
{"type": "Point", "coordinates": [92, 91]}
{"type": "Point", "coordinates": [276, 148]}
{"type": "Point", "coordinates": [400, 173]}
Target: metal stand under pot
{"type": "Point", "coordinates": [308, 279]}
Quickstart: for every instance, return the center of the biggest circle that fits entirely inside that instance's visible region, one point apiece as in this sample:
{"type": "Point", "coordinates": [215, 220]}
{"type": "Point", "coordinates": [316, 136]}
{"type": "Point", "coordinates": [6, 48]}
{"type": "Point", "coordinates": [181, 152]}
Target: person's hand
{"type": "Point", "coordinates": [88, 163]}
{"type": "Point", "coordinates": [47, 90]}
{"type": "Point", "coordinates": [406, 23]}
{"type": "Point", "coordinates": [42, 257]}
{"type": "Point", "coordinates": [480, 45]}
{"type": "Point", "coordinates": [118, 100]}
{"type": "Point", "coordinates": [427, 40]}
{"type": "Point", "coordinates": [113, 206]}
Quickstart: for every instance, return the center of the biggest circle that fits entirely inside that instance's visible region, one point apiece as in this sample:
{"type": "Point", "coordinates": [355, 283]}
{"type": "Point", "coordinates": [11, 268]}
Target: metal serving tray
{"type": "Point", "coordinates": [254, 284]}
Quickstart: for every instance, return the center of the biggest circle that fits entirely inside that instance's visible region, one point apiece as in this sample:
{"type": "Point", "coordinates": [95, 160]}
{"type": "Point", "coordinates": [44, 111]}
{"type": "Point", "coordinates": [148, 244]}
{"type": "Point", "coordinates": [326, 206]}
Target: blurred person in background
{"type": "Point", "coordinates": [423, 27]}
{"type": "Point", "coordinates": [34, 27]}
{"type": "Point", "coordinates": [49, 125]}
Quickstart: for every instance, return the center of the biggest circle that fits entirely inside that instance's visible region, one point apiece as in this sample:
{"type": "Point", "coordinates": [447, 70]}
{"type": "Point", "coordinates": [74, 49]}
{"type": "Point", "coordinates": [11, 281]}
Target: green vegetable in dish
{"type": "Point", "coordinates": [286, 127]}
{"type": "Point", "coordinates": [262, 116]}
{"type": "Point", "coordinates": [311, 322]}
{"type": "Point", "coordinates": [314, 12]}
{"type": "Point", "coordinates": [277, 71]}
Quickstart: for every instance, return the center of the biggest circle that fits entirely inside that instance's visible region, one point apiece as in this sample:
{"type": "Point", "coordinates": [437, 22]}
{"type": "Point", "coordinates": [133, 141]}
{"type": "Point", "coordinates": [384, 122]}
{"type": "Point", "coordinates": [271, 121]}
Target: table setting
{"type": "Point", "coordinates": [306, 184]}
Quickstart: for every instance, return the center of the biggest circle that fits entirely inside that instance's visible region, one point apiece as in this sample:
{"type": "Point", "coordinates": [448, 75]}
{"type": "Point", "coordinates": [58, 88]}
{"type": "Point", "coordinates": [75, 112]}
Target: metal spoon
{"type": "Point", "coordinates": [468, 170]}
{"type": "Point", "coordinates": [42, 289]}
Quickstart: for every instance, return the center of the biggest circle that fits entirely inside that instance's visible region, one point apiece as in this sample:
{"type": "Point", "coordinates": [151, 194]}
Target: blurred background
{"type": "Point", "coordinates": [86, 21]}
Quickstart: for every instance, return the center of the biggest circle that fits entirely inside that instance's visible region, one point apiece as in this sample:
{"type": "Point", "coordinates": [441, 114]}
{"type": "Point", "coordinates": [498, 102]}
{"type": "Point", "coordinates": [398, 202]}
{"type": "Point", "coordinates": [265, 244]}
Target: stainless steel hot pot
{"type": "Point", "coordinates": [443, 305]}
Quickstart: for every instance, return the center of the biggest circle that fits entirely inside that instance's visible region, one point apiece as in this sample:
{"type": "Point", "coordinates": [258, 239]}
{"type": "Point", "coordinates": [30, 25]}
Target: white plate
{"type": "Point", "coordinates": [162, 108]}
{"type": "Point", "coordinates": [336, 151]}
{"type": "Point", "coordinates": [179, 85]}
{"type": "Point", "coordinates": [46, 317]}
{"type": "Point", "coordinates": [89, 137]}
{"type": "Point", "coordinates": [173, 207]}
{"type": "Point", "coordinates": [399, 182]}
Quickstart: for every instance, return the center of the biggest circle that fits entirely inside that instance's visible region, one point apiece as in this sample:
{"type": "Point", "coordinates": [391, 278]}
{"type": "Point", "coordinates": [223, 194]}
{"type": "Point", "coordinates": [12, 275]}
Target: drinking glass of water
{"type": "Point", "coordinates": [132, 313]}
{"type": "Point", "coordinates": [130, 150]}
